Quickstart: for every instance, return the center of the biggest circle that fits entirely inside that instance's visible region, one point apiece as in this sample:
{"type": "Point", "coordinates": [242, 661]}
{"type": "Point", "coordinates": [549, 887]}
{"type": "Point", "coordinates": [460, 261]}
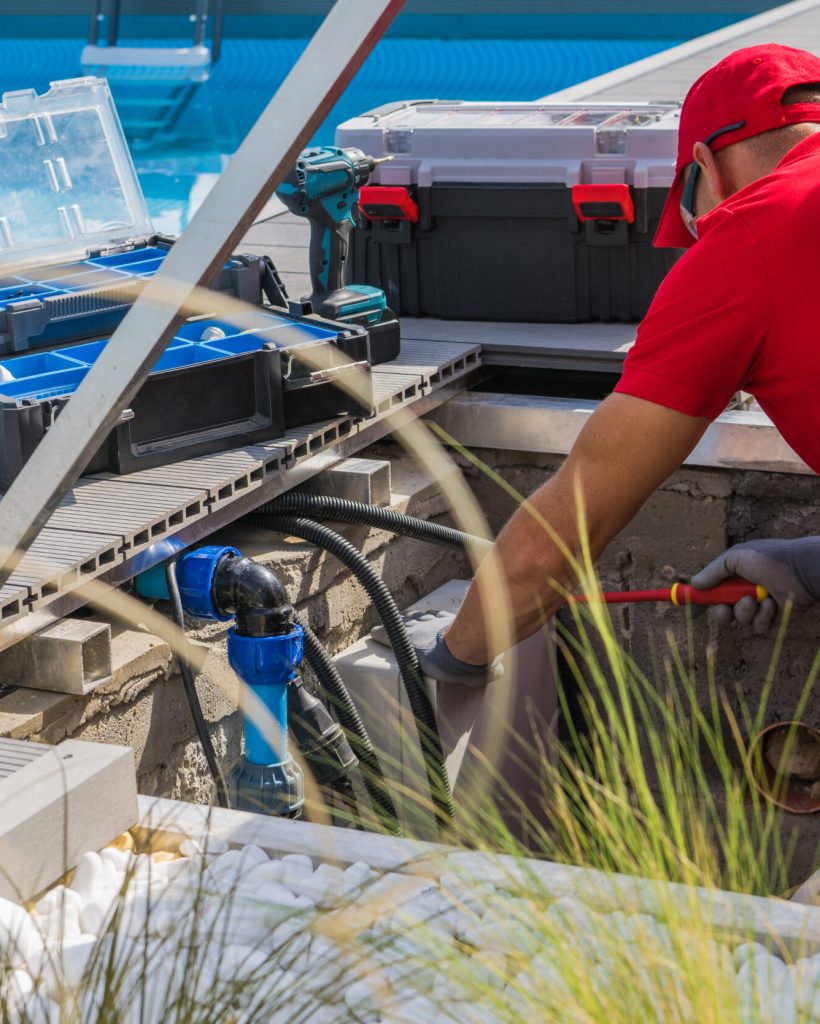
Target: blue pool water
{"type": "Point", "coordinates": [183, 136]}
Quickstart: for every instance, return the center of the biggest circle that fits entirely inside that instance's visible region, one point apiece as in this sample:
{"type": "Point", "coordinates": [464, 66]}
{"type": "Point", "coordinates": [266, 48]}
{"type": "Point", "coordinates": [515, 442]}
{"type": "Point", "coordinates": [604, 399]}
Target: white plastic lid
{"type": "Point", "coordinates": [67, 183]}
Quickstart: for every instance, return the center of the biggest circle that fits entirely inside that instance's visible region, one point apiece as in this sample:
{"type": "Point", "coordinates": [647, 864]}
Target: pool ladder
{"type": "Point", "coordinates": [166, 77]}
{"type": "Point", "coordinates": [196, 59]}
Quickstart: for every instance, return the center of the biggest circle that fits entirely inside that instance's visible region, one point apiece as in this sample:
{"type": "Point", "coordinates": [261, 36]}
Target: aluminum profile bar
{"type": "Point", "coordinates": [336, 52]}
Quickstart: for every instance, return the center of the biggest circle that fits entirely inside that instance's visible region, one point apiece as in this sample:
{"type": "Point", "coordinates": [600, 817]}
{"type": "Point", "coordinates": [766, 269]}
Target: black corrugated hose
{"type": "Point", "coordinates": [340, 510]}
{"type": "Point", "coordinates": [333, 686]}
{"type": "Point", "coordinates": [429, 739]}
{"type": "Point", "coordinates": [189, 683]}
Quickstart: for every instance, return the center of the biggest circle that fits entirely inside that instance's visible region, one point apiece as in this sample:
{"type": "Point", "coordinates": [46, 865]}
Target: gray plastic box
{"type": "Point", "coordinates": [525, 211]}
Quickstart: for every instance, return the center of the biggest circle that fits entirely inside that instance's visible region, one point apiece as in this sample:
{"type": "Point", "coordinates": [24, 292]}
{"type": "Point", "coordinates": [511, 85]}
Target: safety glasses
{"type": "Point", "coordinates": [687, 199]}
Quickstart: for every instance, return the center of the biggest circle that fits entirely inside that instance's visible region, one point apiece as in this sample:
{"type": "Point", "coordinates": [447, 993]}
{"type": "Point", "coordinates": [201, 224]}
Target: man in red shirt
{"type": "Point", "coordinates": [737, 311]}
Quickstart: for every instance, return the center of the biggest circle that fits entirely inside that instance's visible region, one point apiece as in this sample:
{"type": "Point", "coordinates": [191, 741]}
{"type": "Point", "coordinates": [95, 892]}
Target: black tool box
{"type": "Point", "coordinates": [75, 243]}
{"type": "Point", "coordinates": [514, 211]}
{"type": "Point", "coordinates": [216, 386]}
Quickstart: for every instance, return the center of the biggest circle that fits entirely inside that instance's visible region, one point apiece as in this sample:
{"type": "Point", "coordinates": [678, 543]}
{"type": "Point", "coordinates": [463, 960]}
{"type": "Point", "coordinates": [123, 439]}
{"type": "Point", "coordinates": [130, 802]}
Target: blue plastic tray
{"type": "Point", "coordinates": [54, 374]}
{"type": "Point", "coordinates": [79, 277]}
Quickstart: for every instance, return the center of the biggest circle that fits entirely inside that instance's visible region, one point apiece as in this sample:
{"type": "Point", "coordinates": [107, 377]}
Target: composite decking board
{"type": "Point", "coordinates": [240, 469]}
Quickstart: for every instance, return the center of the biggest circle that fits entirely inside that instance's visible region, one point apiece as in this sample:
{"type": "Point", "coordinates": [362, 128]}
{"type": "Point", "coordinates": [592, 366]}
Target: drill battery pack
{"type": "Point", "coordinates": [532, 212]}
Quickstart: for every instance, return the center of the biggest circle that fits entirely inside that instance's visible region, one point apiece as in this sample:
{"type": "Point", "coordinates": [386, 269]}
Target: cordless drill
{"type": "Point", "coordinates": [324, 187]}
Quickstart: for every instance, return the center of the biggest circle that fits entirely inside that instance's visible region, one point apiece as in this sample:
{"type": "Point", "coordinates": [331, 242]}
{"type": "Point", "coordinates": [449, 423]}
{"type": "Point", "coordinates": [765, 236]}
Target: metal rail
{"type": "Point", "coordinates": [321, 74]}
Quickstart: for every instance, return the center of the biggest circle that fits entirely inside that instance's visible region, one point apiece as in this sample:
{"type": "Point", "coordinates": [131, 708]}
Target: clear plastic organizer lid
{"type": "Point", "coordinates": [67, 182]}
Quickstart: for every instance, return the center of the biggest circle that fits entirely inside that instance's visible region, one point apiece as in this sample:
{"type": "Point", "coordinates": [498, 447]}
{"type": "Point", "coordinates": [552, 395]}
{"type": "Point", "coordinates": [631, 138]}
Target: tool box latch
{"type": "Point", "coordinates": [603, 202]}
{"type": "Point", "coordinates": [388, 202]}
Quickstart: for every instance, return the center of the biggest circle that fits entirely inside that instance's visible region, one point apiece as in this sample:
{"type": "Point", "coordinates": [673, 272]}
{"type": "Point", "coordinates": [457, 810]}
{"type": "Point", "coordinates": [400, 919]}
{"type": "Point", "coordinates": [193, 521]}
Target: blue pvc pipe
{"type": "Point", "coordinates": [267, 665]}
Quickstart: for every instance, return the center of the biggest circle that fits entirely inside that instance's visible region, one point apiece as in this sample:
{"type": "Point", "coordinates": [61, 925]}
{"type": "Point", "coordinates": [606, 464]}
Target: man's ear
{"type": "Point", "coordinates": [716, 180]}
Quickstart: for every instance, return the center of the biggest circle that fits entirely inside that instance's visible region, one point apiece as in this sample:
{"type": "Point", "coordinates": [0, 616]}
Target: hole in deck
{"type": "Point", "coordinates": [257, 474]}
{"type": "Point", "coordinates": [191, 510]}
{"type": "Point", "coordinates": [88, 566]}
{"type": "Point", "coordinates": [11, 609]}
{"type": "Point", "coordinates": [224, 492]}
{"type": "Point", "coordinates": [241, 484]}
{"type": "Point", "coordinates": [106, 557]}
{"type": "Point", "coordinates": [142, 537]}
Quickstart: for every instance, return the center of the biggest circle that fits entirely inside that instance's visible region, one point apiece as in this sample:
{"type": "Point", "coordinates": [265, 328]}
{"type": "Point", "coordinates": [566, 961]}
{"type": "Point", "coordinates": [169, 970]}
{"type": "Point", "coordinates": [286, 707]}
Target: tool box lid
{"type": "Point", "coordinates": [67, 182]}
{"type": "Point", "coordinates": [457, 141]}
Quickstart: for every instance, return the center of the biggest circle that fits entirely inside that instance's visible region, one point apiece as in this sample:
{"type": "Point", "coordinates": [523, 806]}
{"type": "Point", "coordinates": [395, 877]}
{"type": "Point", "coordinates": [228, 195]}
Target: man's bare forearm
{"type": "Point", "coordinates": [625, 451]}
{"type": "Point", "coordinates": [531, 564]}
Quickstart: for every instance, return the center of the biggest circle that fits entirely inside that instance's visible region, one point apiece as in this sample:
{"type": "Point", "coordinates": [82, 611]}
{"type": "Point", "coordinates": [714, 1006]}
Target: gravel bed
{"type": "Point", "coordinates": [218, 934]}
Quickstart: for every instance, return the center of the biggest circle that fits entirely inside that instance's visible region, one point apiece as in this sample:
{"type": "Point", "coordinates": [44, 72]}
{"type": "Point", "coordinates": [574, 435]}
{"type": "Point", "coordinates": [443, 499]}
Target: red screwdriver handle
{"type": "Point", "coordinates": [729, 592]}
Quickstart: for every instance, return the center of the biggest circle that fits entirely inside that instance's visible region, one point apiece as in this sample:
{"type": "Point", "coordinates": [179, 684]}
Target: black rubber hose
{"type": "Point", "coordinates": [340, 510]}
{"type": "Point", "coordinates": [189, 683]}
{"type": "Point", "coordinates": [429, 739]}
{"type": "Point", "coordinates": [337, 693]}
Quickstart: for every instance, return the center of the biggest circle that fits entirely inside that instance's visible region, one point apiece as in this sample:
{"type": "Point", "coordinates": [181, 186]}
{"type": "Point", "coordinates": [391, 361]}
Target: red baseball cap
{"type": "Point", "coordinates": [746, 86]}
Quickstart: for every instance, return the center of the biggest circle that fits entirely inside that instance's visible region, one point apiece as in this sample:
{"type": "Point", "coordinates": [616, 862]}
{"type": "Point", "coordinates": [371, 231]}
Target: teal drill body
{"type": "Point", "coordinates": [324, 187]}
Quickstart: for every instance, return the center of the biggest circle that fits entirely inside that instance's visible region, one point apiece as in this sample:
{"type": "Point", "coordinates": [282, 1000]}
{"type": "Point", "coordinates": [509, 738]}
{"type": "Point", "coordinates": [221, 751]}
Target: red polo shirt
{"type": "Point", "coordinates": [741, 309]}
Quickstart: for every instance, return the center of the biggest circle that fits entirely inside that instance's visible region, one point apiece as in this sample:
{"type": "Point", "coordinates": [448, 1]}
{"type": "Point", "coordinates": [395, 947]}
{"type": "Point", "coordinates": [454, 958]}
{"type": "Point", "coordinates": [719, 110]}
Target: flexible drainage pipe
{"type": "Point", "coordinates": [340, 510]}
{"type": "Point", "coordinates": [333, 685]}
{"type": "Point", "coordinates": [429, 739]}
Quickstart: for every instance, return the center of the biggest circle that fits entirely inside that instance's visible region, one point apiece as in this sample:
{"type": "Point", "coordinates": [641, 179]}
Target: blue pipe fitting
{"type": "Point", "coordinates": [266, 780]}
{"type": "Point", "coordinates": [195, 579]}
{"type": "Point", "coordinates": [267, 664]}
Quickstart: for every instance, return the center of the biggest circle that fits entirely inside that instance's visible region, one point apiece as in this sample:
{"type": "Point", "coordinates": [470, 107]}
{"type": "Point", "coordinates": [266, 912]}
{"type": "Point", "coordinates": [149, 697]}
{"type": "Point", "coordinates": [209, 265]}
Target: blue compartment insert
{"type": "Point", "coordinates": [68, 278]}
{"type": "Point", "coordinates": [55, 374]}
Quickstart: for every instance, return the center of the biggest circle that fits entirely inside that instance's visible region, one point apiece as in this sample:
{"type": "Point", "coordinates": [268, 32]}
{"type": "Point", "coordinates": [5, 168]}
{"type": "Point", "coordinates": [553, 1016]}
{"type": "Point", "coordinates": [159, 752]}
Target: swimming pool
{"type": "Point", "coordinates": [182, 136]}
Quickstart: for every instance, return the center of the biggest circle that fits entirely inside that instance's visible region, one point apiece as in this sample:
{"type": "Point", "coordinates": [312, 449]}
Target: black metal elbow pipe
{"type": "Point", "coordinates": [255, 595]}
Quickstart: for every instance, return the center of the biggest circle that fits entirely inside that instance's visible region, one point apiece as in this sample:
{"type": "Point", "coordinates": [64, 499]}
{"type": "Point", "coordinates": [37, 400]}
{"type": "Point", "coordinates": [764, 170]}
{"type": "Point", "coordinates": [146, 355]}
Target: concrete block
{"type": "Point", "coordinates": [72, 656]}
{"type": "Point", "coordinates": [356, 479]}
{"type": "Point", "coordinates": [56, 806]}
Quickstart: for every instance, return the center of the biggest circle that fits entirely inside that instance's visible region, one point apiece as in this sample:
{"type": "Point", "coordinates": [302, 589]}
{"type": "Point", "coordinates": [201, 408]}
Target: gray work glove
{"type": "Point", "coordinates": [788, 569]}
{"type": "Point", "coordinates": [426, 632]}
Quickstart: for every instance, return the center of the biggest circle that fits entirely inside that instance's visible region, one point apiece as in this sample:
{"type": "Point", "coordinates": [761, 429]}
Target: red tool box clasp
{"type": "Point", "coordinates": [388, 202]}
{"type": "Point", "coordinates": [603, 202]}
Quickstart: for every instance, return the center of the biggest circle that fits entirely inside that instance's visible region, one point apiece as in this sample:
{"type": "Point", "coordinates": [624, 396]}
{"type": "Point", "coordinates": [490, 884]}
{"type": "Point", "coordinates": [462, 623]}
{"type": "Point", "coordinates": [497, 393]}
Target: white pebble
{"type": "Point", "coordinates": [258, 874]}
{"type": "Point", "coordinates": [252, 855]}
{"type": "Point", "coordinates": [366, 997]}
{"type": "Point", "coordinates": [207, 846]}
{"type": "Point", "coordinates": [59, 926]}
{"type": "Point", "coordinates": [240, 962]}
{"type": "Point", "coordinates": [300, 860]}
{"type": "Point", "coordinates": [97, 912]}
{"type": "Point", "coordinates": [745, 951]}
{"type": "Point", "coordinates": [74, 958]}
{"type": "Point", "coordinates": [224, 870]}
{"type": "Point", "coordinates": [360, 873]}
{"type": "Point", "coordinates": [20, 939]}
{"type": "Point", "coordinates": [89, 875]}
{"type": "Point", "coordinates": [39, 1009]}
